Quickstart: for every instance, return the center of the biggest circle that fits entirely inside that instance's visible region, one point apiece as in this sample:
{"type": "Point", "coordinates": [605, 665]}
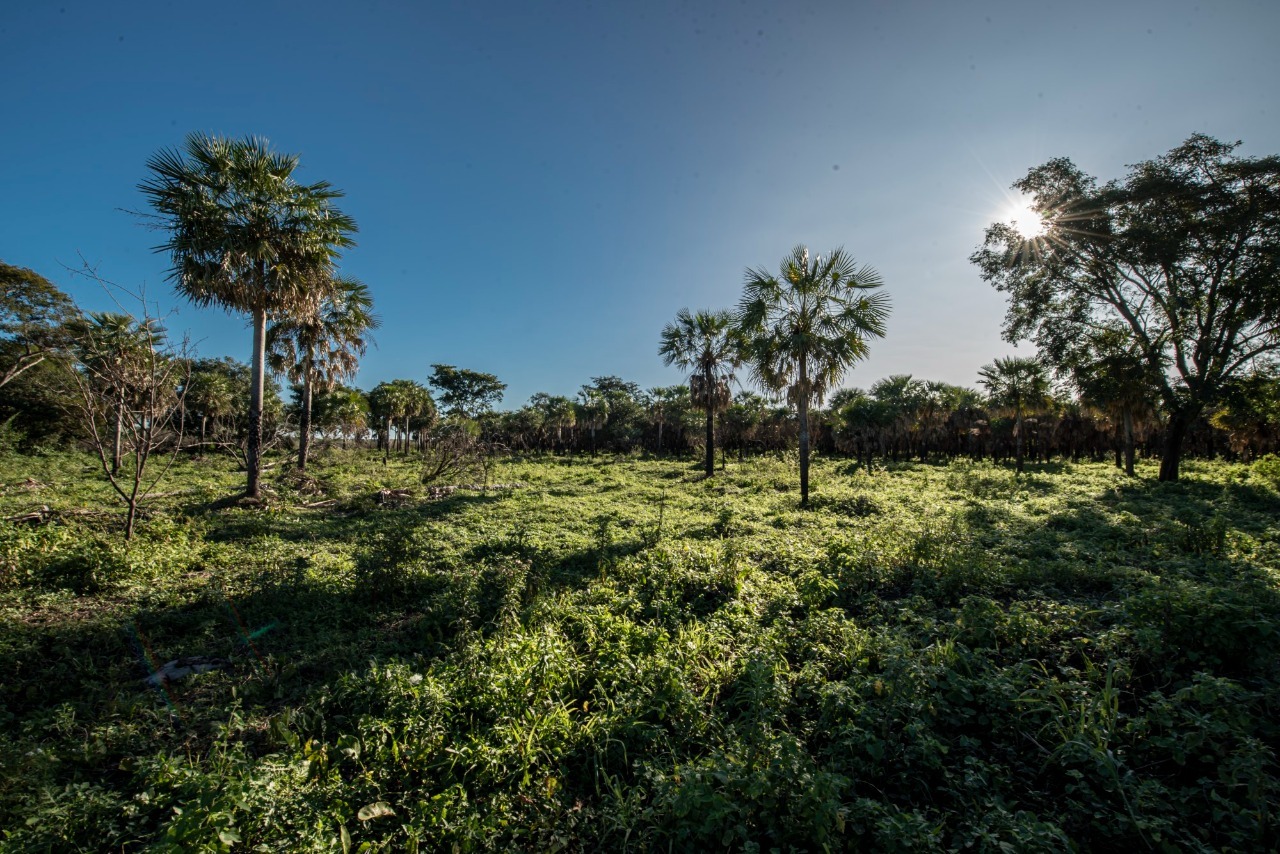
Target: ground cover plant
{"type": "Point", "coordinates": [616, 652]}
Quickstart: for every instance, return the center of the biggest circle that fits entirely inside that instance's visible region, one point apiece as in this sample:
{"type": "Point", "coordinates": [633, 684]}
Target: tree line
{"type": "Point", "coordinates": [1153, 303]}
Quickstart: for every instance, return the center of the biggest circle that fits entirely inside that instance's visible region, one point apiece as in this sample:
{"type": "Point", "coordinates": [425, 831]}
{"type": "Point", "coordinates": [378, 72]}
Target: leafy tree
{"type": "Point", "coordinates": [1020, 384]}
{"type": "Point", "coordinates": [320, 347]}
{"type": "Point", "coordinates": [32, 311]}
{"type": "Point", "coordinates": [464, 392]}
{"type": "Point", "coordinates": [33, 407]}
{"type": "Point", "coordinates": [1250, 412]}
{"type": "Point", "coordinates": [704, 345]}
{"type": "Point", "coordinates": [808, 325]}
{"type": "Point", "coordinates": [244, 235]}
{"type": "Point", "coordinates": [1184, 255]}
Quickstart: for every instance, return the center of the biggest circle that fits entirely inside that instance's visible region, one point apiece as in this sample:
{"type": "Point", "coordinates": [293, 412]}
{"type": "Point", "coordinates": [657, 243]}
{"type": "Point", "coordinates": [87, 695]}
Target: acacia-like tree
{"type": "Point", "coordinates": [704, 344]}
{"type": "Point", "coordinates": [804, 328]}
{"type": "Point", "coordinates": [243, 234]}
{"type": "Point", "coordinates": [32, 314]}
{"type": "Point", "coordinates": [320, 347]}
{"type": "Point", "coordinates": [465, 392]}
{"type": "Point", "coordinates": [1022, 385]}
{"type": "Point", "coordinates": [1184, 255]}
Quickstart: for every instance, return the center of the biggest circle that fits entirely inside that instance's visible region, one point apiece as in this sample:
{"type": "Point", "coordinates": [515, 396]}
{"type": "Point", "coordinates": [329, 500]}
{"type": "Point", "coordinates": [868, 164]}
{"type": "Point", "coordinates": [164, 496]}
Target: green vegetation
{"type": "Point", "coordinates": [620, 653]}
{"type": "Point", "coordinates": [456, 640]}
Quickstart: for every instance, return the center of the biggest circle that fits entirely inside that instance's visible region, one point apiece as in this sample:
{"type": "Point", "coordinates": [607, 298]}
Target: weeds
{"type": "Point", "coordinates": [622, 656]}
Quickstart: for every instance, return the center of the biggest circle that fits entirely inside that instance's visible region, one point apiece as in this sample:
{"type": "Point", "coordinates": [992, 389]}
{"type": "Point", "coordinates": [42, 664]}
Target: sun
{"type": "Point", "coordinates": [1021, 215]}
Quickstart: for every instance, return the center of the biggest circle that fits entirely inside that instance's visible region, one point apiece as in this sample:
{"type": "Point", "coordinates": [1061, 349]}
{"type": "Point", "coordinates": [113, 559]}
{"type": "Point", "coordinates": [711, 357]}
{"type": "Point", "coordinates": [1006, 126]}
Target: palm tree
{"type": "Point", "coordinates": [704, 344]}
{"type": "Point", "coordinates": [1020, 384]}
{"type": "Point", "coordinates": [207, 394]}
{"type": "Point", "coordinates": [556, 410]}
{"type": "Point", "coordinates": [807, 326]}
{"type": "Point", "coordinates": [592, 412]}
{"type": "Point", "coordinates": [421, 415]}
{"type": "Point", "coordinates": [244, 235]}
{"type": "Point", "coordinates": [666, 405]}
{"type": "Point", "coordinates": [321, 347]}
{"type": "Point", "coordinates": [348, 412]}
{"type": "Point", "coordinates": [1113, 376]}
{"type": "Point", "coordinates": [387, 403]}
{"type": "Point", "coordinates": [397, 403]}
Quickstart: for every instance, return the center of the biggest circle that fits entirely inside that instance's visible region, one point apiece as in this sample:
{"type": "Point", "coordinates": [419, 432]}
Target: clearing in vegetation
{"type": "Point", "coordinates": [617, 654]}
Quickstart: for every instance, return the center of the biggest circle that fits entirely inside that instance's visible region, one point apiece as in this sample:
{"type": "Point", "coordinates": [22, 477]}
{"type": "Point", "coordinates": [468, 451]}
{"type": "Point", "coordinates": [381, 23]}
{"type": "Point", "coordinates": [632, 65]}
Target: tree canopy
{"type": "Point", "coordinates": [804, 328]}
{"type": "Point", "coordinates": [465, 392]}
{"type": "Point", "coordinates": [32, 311]}
{"type": "Point", "coordinates": [1183, 255]}
{"type": "Point", "coordinates": [243, 234]}
{"type": "Point", "coordinates": [704, 344]}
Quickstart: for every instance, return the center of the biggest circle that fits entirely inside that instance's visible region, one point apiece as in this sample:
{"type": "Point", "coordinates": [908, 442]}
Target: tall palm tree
{"type": "Point", "coordinates": [1020, 384]}
{"type": "Point", "coordinates": [807, 326]}
{"type": "Point", "coordinates": [246, 236]}
{"type": "Point", "coordinates": [323, 346]}
{"type": "Point", "coordinates": [705, 345]}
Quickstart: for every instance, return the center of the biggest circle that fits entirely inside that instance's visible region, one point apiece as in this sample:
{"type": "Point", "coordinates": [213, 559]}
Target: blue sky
{"type": "Point", "coordinates": [541, 186]}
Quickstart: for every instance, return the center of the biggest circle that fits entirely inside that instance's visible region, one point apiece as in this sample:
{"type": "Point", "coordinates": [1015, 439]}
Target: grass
{"type": "Point", "coordinates": [619, 653]}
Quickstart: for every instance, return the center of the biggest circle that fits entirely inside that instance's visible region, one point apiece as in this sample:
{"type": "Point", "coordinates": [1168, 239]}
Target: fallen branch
{"type": "Point", "coordinates": [37, 516]}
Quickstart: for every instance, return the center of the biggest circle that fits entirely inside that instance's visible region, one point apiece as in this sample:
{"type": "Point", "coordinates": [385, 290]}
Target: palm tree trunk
{"type": "Point", "coordinates": [1017, 440]}
{"type": "Point", "coordinates": [802, 409]}
{"type": "Point", "coordinates": [257, 387]}
{"type": "Point", "coordinates": [386, 445]}
{"type": "Point", "coordinates": [1128, 443]}
{"type": "Point", "coordinates": [304, 418]}
{"type": "Point", "coordinates": [711, 430]}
